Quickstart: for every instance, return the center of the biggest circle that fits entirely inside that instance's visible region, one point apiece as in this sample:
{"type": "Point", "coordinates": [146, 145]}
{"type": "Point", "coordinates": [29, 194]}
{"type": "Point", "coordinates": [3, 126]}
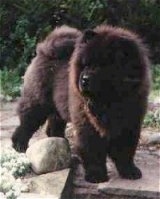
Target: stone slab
{"type": "Point", "coordinates": [5, 143]}
{"type": "Point", "coordinates": [50, 184]}
{"type": "Point", "coordinates": [148, 187]}
{"type": "Point", "coordinates": [6, 133]}
{"type": "Point", "coordinates": [36, 196]}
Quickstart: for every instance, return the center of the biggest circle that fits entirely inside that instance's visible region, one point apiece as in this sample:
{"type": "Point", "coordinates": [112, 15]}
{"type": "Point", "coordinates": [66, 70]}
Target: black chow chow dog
{"type": "Point", "coordinates": [101, 86]}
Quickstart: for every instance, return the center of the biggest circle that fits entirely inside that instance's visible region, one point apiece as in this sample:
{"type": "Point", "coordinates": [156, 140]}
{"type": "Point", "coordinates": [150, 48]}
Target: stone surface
{"type": "Point", "coordinates": [148, 187]}
{"type": "Point", "coordinates": [49, 154]}
{"type": "Point", "coordinates": [11, 122]}
{"type": "Point", "coordinates": [154, 139]}
{"type": "Point", "coordinates": [36, 196]}
{"type": "Point", "coordinates": [148, 135]}
{"type": "Point", "coordinates": [49, 185]}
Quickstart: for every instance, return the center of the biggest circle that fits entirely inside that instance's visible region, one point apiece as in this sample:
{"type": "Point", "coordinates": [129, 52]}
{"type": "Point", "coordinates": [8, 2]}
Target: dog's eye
{"type": "Point", "coordinates": [85, 66]}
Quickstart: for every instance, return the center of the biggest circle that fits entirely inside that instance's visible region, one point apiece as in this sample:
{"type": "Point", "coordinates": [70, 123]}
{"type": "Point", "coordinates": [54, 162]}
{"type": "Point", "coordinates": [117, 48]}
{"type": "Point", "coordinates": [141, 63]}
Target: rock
{"type": "Point", "coordinates": [35, 196]}
{"type": "Point", "coordinates": [154, 139]}
{"type": "Point", "coordinates": [53, 184]}
{"type": "Point", "coordinates": [49, 154]}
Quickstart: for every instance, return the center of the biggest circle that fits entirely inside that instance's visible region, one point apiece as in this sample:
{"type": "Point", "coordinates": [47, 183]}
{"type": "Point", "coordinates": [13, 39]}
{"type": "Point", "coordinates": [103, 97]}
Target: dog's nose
{"type": "Point", "coordinates": [85, 81]}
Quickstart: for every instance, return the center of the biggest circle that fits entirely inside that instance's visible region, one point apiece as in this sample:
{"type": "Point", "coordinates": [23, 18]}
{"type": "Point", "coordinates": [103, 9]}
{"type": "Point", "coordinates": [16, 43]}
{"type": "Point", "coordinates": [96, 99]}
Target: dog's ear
{"type": "Point", "coordinates": [88, 35]}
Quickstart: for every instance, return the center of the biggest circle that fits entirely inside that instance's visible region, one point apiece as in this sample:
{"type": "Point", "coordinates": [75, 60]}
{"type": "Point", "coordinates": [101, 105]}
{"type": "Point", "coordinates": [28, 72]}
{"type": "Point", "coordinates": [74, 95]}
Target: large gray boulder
{"type": "Point", "coordinates": [49, 154]}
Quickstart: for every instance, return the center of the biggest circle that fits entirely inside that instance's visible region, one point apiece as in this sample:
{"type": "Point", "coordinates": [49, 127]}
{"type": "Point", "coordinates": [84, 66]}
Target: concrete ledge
{"type": "Point", "coordinates": [35, 196]}
{"type": "Point", "coordinates": [148, 187]}
{"type": "Point", "coordinates": [127, 193]}
{"type": "Point", "coordinates": [51, 185]}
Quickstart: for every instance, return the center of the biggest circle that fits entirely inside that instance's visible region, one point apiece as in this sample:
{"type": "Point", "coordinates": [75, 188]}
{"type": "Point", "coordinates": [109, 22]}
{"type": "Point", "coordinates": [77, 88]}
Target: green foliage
{"type": "Point", "coordinates": [10, 83]}
{"type": "Point", "coordinates": [25, 22]}
{"type": "Point", "coordinates": [13, 165]}
{"type": "Point", "coordinates": [152, 119]}
{"type": "Point", "coordinates": [155, 89]}
{"type": "Point", "coordinates": [141, 16]}
{"type": "Point", "coordinates": [14, 162]}
{"type": "Point", "coordinates": [156, 77]}
{"type": "Point", "coordinates": [84, 13]}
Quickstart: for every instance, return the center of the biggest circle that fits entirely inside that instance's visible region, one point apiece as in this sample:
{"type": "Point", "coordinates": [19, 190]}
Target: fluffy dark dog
{"type": "Point", "coordinates": [109, 86]}
{"type": "Point", "coordinates": [104, 96]}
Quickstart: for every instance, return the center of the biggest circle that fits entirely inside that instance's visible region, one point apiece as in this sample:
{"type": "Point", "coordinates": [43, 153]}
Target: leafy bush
{"type": "Point", "coordinates": [141, 16]}
{"type": "Point", "coordinates": [155, 89]}
{"type": "Point", "coordinates": [12, 166]}
{"type": "Point", "coordinates": [152, 119]}
{"type": "Point", "coordinates": [156, 77]}
{"type": "Point", "coordinates": [10, 83]}
{"type": "Point", "coordinates": [25, 22]}
{"type": "Point", "coordinates": [31, 20]}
